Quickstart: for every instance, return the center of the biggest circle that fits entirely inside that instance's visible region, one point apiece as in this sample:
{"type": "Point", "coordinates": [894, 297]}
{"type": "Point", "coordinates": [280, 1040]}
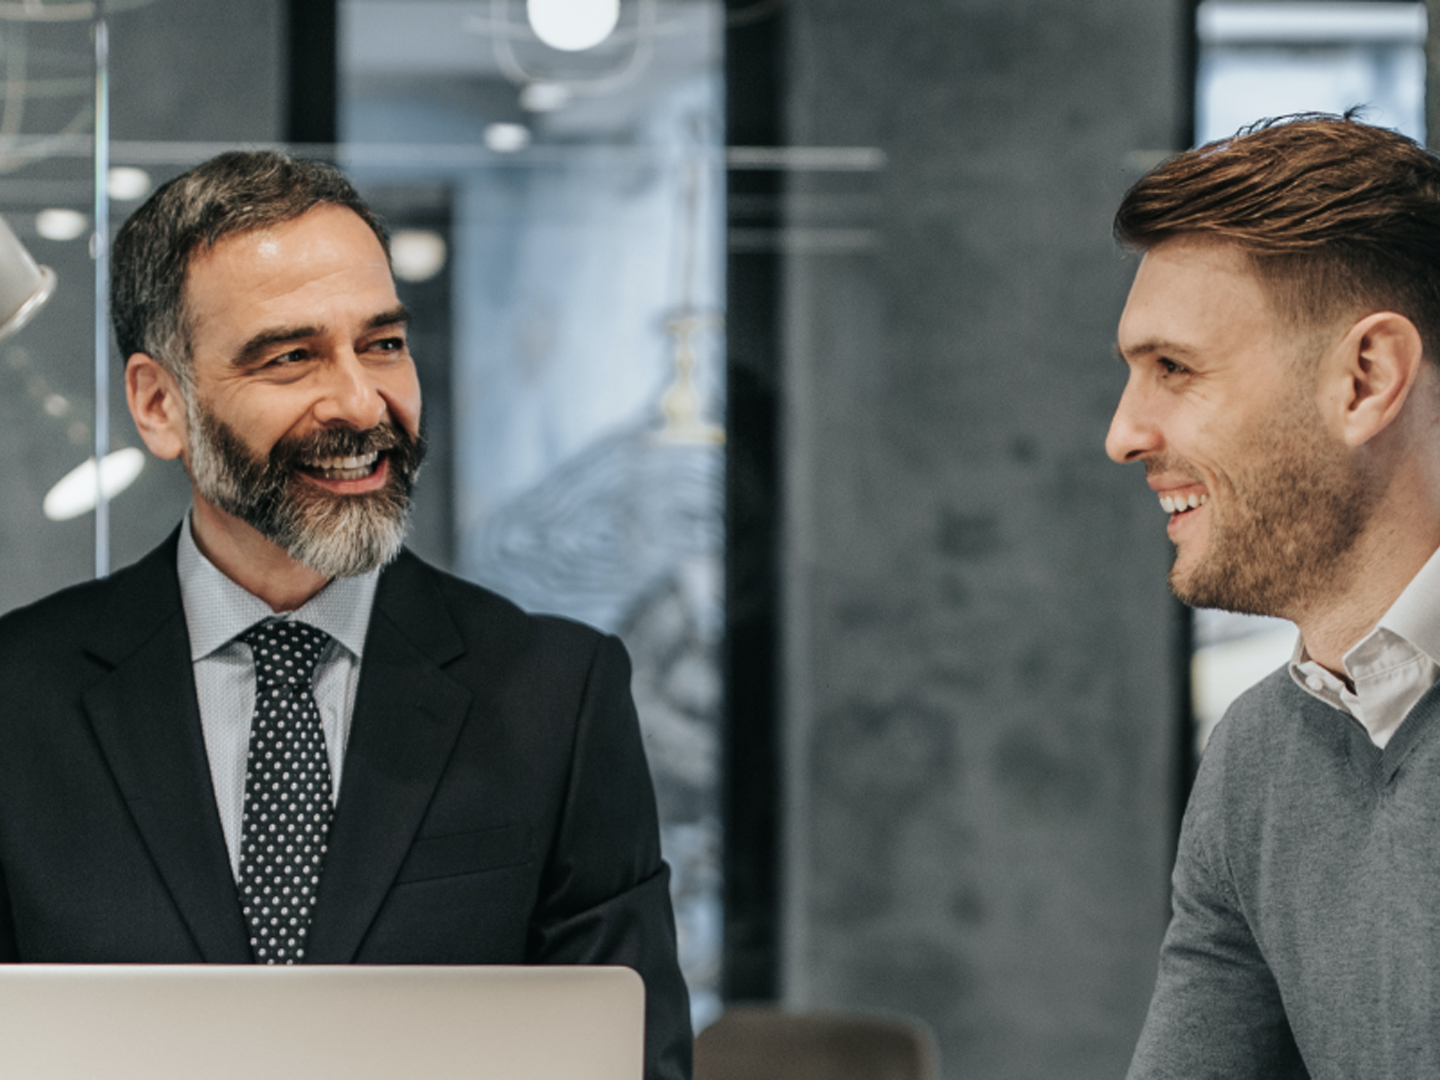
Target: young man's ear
{"type": "Point", "coordinates": [1376, 366]}
{"type": "Point", "coordinates": [156, 404]}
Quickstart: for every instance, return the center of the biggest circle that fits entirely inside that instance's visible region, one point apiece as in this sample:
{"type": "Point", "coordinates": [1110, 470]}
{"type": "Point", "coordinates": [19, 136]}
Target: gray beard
{"type": "Point", "coordinates": [333, 535]}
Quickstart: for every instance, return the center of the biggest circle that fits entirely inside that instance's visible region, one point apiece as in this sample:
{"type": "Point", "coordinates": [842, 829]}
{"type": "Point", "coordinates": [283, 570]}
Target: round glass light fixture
{"type": "Point", "coordinates": [544, 96]}
{"type": "Point", "coordinates": [417, 254]}
{"type": "Point", "coordinates": [77, 491]}
{"type": "Point", "coordinates": [125, 183]}
{"type": "Point", "coordinates": [573, 25]}
{"type": "Point", "coordinates": [507, 138]}
{"type": "Point", "coordinates": [60, 224]}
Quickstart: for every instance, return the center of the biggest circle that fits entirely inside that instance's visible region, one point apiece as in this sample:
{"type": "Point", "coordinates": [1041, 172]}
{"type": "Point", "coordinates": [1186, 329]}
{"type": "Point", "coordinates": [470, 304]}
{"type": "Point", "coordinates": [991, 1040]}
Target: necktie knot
{"type": "Point", "coordinates": [285, 652]}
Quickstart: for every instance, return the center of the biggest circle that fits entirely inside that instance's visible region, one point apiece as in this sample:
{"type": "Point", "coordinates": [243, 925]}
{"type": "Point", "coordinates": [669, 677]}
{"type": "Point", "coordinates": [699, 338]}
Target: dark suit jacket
{"type": "Point", "coordinates": [495, 806]}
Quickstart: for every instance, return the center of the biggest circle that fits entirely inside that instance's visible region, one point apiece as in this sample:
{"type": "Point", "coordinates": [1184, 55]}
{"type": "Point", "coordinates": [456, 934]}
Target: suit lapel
{"type": "Point", "coordinates": [408, 713]}
{"type": "Point", "coordinates": [147, 722]}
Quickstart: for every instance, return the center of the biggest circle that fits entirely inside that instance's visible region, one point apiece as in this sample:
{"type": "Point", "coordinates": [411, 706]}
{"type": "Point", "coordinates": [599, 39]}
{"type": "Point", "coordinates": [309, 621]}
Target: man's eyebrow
{"type": "Point", "coordinates": [262, 341]}
{"type": "Point", "coordinates": [396, 316]}
{"type": "Point", "coordinates": [251, 350]}
{"type": "Point", "coordinates": [1156, 347]}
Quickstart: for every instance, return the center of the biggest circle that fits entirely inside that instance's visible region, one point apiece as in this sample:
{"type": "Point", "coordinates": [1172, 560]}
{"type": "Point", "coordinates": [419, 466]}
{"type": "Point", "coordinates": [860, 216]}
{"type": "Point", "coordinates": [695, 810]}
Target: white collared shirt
{"type": "Point", "coordinates": [217, 611]}
{"type": "Point", "coordinates": [1391, 667]}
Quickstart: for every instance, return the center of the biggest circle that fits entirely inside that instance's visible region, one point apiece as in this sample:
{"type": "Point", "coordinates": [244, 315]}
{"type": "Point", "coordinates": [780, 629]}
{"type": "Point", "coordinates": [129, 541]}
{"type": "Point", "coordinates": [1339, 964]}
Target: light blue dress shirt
{"type": "Point", "coordinates": [217, 611]}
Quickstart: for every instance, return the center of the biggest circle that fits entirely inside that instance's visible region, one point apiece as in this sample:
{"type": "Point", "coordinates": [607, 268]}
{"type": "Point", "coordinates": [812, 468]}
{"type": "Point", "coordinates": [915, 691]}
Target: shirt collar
{"type": "Point", "coordinates": [1415, 615]}
{"type": "Point", "coordinates": [217, 609]}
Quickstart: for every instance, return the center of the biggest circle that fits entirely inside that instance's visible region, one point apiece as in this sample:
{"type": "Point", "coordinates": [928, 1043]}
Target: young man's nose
{"type": "Point", "coordinates": [1132, 434]}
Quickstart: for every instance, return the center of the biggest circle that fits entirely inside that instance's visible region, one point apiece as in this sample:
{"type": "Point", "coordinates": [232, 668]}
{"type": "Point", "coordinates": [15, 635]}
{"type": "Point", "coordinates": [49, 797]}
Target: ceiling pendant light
{"type": "Point", "coordinates": [573, 25]}
{"type": "Point", "coordinates": [77, 491]}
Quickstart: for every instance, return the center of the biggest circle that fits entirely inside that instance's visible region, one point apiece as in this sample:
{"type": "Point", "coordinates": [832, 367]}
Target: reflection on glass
{"type": "Point", "coordinates": [47, 371]}
{"type": "Point", "coordinates": [77, 491]}
{"type": "Point", "coordinates": [577, 203]}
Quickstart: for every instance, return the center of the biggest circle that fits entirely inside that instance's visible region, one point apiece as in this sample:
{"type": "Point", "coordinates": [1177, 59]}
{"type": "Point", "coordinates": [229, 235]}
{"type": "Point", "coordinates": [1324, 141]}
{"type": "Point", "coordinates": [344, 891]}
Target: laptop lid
{"type": "Point", "coordinates": [219, 1022]}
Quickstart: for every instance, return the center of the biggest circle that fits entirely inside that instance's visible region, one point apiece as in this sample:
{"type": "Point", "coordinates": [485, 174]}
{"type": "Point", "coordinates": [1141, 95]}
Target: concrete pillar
{"type": "Point", "coordinates": [982, 691]}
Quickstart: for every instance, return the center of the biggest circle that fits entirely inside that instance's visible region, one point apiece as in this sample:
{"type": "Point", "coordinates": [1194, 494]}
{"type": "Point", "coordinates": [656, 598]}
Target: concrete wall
{"type": "Point", "coordinates": [185, 72]}
{"type": "Point", "coordinates": [982, 695]}
{"type": "Point", "coordinates": [207, 72]}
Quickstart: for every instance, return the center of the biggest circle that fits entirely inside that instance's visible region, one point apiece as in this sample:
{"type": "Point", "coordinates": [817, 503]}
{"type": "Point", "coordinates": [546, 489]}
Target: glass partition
{"type": "Point", "coordinates": [558, 232]}
{"type": "Point", "coordinates": [558, 219]}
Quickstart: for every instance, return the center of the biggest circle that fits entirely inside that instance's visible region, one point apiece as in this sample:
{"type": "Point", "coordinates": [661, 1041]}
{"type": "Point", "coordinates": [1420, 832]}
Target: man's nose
{"type": "Point", "coordinates": [1133, 433]}
{"type": "Point", "coordinates": [351, 395]}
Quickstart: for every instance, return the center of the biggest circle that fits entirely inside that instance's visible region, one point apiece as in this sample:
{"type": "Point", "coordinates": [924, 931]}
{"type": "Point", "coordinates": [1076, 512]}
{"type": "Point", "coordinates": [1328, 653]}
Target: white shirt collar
{"type": "Point", "coordinates": [1391, 667]}
{"type": "Point", "coordinates": [1415, 615]}
{"type": "Point", "coordinates": [217, 609]}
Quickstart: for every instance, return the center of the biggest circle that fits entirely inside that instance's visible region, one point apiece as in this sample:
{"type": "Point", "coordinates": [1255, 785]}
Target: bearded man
{"type": "Point", "coordinates": [280, 737]}
{"type": "Point", "coordinates": [1282, 336]}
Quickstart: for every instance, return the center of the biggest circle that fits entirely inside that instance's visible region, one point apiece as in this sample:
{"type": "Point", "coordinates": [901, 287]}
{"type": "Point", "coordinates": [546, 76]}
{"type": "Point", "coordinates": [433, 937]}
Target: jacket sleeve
{"type": "Point", "coordinates": [1216, 1011]}
{"type": "Point", "coordinates": [605, 891]}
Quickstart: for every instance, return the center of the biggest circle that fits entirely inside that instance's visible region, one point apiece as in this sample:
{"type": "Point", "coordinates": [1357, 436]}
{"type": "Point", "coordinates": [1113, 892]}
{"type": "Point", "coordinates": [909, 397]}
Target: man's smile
{"type": "Point", "coordinates": [1181, 504]}
{"type": "Point", "coordinates": [1180, 501]}
{"type": "Point", "coordinates": [356, 467]}
{"type": "Point", "coordinates": [353, 475]}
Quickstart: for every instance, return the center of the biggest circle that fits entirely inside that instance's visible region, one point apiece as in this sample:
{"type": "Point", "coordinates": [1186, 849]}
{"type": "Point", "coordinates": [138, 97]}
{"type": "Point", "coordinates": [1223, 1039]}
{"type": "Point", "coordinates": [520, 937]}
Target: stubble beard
{"type": "Point", "coordinates": [334, 535]}
{"type": "Point", "coordinates": [1282, 531]}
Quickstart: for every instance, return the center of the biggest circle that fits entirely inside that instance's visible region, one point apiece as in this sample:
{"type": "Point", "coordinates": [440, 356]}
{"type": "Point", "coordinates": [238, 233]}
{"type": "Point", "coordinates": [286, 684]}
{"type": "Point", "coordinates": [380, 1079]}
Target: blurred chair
{"type": "Point", "coordinates": [754, 1042]}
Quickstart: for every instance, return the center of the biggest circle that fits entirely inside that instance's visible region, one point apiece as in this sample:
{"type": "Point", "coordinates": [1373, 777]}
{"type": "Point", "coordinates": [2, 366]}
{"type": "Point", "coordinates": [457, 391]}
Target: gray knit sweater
{"type": "Point", "coordinates": [1305, 939]}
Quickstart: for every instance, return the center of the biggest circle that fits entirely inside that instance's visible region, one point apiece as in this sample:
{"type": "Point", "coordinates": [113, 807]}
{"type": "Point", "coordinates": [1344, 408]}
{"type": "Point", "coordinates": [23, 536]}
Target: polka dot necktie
{"type": "Point", "coordinates": [287, 792]}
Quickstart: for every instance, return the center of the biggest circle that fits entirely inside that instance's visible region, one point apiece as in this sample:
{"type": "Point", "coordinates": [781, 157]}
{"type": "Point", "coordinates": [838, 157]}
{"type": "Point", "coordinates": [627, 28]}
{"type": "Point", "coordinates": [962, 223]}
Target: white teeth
{"type": "Point", "coordinates": [1178, 504]}
{"type": "Point", "coordinates": [363, 461]}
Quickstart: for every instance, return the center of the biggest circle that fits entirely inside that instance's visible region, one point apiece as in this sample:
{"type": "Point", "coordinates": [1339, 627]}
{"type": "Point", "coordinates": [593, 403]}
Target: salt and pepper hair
{"type": "Point", "coordinates": [234, 193]}
{"type": "Point", "coordinates": [1340, 218]}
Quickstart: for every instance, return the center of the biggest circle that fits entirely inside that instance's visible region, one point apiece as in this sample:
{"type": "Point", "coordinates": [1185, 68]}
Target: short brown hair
{"type": "Point", "coordinates": [1337, 216]}
{"type": "Point", "coordinates": [236, 192]}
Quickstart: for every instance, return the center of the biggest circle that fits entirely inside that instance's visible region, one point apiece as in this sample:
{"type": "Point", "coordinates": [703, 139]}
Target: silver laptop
{"type": "Point", "coordinates": [213, 1022]}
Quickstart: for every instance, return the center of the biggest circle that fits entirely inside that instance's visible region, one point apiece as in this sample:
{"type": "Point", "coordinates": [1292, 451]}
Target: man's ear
{"type": "Point", "coordinates": [1373, 371]}
{"type": "Point", "coordinates": [156, 405]}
